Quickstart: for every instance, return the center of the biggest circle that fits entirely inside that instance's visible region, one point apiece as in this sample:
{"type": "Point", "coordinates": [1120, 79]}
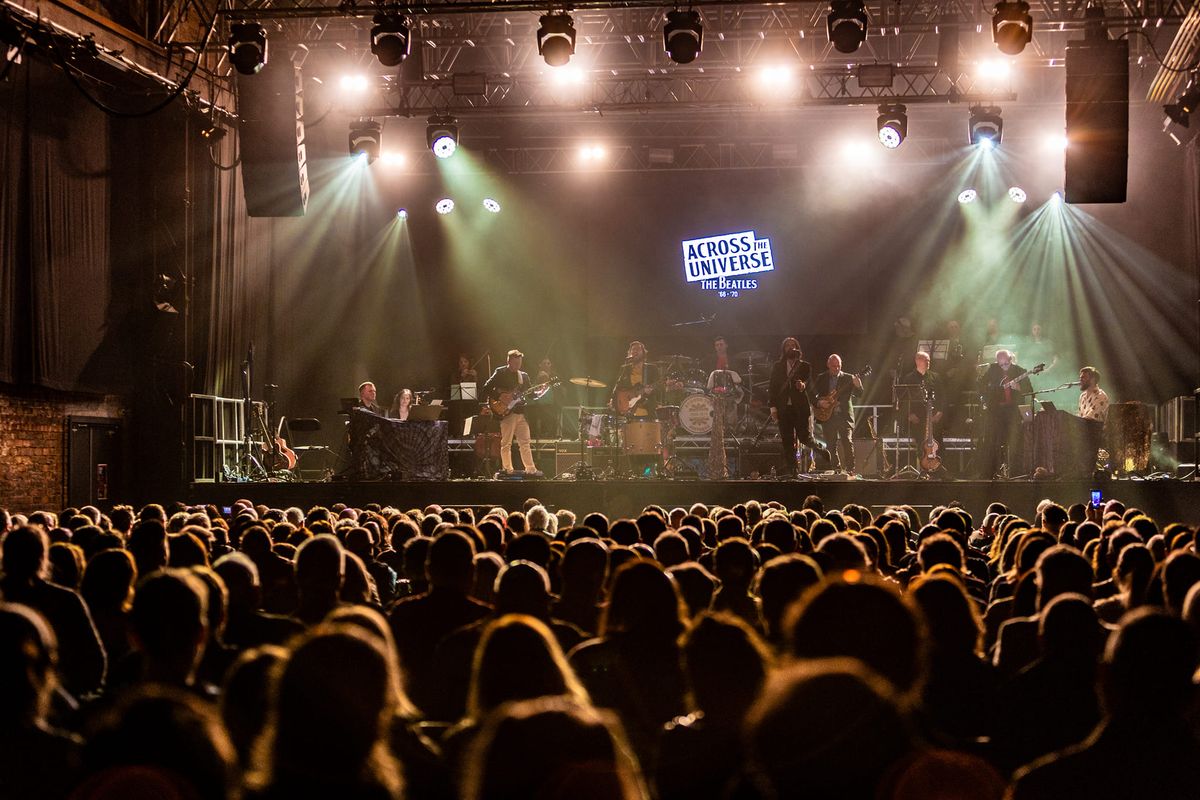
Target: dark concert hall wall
{"type": "Point", "coordinates": [93, 210]}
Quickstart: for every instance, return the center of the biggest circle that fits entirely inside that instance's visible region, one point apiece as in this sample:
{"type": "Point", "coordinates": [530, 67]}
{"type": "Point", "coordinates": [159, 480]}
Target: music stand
{"type": "Point", "coordinates": [902, 405]}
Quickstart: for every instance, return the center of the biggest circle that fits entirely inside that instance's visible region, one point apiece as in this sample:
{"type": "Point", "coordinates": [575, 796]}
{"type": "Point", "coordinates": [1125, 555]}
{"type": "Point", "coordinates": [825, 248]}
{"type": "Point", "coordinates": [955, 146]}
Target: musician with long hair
{"type": "Point", "coordinates": [789, 402]}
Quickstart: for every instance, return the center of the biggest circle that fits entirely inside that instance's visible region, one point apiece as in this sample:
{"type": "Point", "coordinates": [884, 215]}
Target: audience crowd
{"type": "Point", "coordinates": [753, 652]}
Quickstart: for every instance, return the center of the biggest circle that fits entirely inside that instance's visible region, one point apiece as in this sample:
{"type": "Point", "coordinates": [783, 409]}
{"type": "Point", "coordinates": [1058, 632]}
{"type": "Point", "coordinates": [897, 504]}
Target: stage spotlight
{"type": "Point", "coordinates": [248, 47]}
{"type": "Point", "coordinates": [1055, 143]}
{"type": "Point", "coordinates": [592, 152]}
{"type": "Point", "coordinates": [993, 69]}
{"type": "Point", "coordinates": [491, 205]}
{"type": "Point", "coordinates": [1017, 194]}
{"type": "Point", "coordinates": [402, 214]}
{"type": "Point", "coordinates": [569, 75]}
{"type": "Point", "coordinates": [355, 83]}
{"type": "Point", "coordinates": [985, 126]}
{"type": "Point", "coordinates": [683, 36]}
{"type": "Point", "coordinates": [1181, 110]}
{"type": "Point", "coordinates": [892, 124]}
{"type": "Point", "coordinates": [442, 135]}
{"type": "Point", "coordinates": [365, 138]}
{"type": "Point", "coordinates": [775, 77]}
{"type": "Point", "coordinates": [444, 206]}
{"type": "Point", "coordinates": [967, 196]}
{"type": "Point", "coordinates": [847, 24]}
{"type": "Point", "coordinates": [1012, 26]}
{"type": "Point", "coordinates": [1056, 199]}
{"type": "Point", "coordinates": [556, 39]}
{"type": "Point", "coordinates": [392, 159]}
{"type": "Point", "coordinates": [390, 39]}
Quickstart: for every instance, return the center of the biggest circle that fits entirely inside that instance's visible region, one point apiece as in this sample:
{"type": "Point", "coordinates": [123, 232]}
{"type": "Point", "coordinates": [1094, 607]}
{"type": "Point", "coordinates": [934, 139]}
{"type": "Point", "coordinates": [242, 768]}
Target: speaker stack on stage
{"type": "Point", "coordinates": [1097, 119]}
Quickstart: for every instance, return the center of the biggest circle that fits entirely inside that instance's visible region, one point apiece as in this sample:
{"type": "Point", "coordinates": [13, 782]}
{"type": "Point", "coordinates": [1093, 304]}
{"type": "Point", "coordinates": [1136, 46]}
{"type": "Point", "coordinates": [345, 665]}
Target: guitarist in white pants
{"type": "Point", "coordinates": [505, 381]}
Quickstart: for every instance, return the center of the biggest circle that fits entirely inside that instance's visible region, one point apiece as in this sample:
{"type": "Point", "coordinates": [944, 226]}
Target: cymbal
{"type": "Point", "coordinates": [751, 355]}
{"type": "Point", "coordinates": [677, 358]}
{"type": "Point", "coordinates": [590, 383]}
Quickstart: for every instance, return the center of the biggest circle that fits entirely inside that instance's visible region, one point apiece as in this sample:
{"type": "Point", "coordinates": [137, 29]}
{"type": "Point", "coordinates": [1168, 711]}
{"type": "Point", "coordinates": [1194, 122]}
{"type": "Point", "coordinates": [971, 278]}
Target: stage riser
{"type": "Point", "coordinates": [1165, 500]}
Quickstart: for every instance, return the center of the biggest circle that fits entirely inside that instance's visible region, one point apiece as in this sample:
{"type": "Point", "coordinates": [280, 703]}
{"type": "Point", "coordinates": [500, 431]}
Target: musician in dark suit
{"type": "Point", "coordinates": [789, 402]}
{"type": "Point", "coordinates": [1002, 395]}
{"type": "Point", "coordinates": [635, 373]}
{"type": "Point", "coordinates": [366, 398]}
{"type": "Point", "coordinates": [511, 378]}
{"type": "Point", "coordinates": [925, 388]}
{"type": "Point", "coordinates": [838, 430]}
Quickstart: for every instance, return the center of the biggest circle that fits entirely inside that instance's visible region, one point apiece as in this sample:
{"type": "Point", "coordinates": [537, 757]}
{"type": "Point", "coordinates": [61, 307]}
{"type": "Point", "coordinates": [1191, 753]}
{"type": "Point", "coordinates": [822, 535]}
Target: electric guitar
{"type": "Point", "coordinates": [625, 401]}
{"type": "Point", "coordinates": [1012, 383]}
{"type": "Point", "coordinates": [828, 403]}
{"type": "Point", "coordinates": [930, 460]}
{"type": "Point", "coordinates": [508, 399]}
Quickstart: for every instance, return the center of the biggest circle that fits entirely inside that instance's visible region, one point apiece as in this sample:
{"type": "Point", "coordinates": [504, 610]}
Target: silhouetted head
{"type": "Point", "coordinates": [554, 749]}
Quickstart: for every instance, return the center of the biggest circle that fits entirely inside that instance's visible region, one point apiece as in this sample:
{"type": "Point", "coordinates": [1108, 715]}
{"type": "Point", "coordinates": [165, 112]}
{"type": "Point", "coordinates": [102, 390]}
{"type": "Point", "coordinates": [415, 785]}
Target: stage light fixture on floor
{"type": "Point", "coordinates": [248, 47]}
{"type": "Point", "coordinates": [556, 39]}
{"type": "Point", "coordinates": [847, 24]}
{"type": "Point", "coordinates": [491, 205]}
{"type": "Point", "coordinates": [892, 124]}
{"type": "Point", "coordinates": [967, 196]}
{"type": "Point", "coordinates": [1017, 194]}
{"type": "Point", "coordinates": [442, 135]}
{"type": "Point", "coordinates": [683, 36]}
{"type": "Point", "coordinates": [1012, 26]}
{"type": "Point", "coordinates": [444, 206]}
{"type": "Point", "coordinates": [391, 40]}
{"type": "Point", "coordinates": [985, 126]}
{"type": "Point", "coordinates": [366, 135]}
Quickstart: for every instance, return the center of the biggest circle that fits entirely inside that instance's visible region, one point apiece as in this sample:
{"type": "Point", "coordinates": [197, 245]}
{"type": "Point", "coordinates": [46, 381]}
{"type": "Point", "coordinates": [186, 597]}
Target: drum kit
{"type": "Point", "coordinates": [688, 403]}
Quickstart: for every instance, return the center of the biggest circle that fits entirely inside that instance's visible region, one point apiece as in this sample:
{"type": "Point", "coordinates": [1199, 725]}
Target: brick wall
{"type": "Point", "coordinates": [33, 442]}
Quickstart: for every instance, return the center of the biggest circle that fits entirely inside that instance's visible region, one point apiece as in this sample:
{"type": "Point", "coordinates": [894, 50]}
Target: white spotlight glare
{"type": "Point", "coordinates": [491, 205]}
{"type": "Point", "coordinates": [776, 76]}
{"type": "Point", "coordinates": [444, 206]}
{"type": "Point", "coordinates": [994, 69]}
{"type": "Point", "coordinates": [987, 143]}
{"type": "Point", "coordinates": [1017, 194]}
{"type": "Point", "coordinates": [355, 83]}
{"type": "Point", "coordinates": [392, 159]}
{"type": "Point", "coordinates": [1056, 199]}
{"type": "Point", "coordinates": [1055, 143]}
{"type": "Point", "coordinates": [568, 75]}
{"type": "Point", "coordinates": [592, 152]}
{"type": "Point", "coordinates": [967, 196]}
{"type": "Point", "coordinates": [402, 214]}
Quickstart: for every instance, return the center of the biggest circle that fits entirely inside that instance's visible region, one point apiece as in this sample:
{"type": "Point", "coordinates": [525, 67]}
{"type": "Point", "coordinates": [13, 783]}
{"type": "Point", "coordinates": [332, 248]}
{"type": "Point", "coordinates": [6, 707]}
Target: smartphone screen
{"type": "Point", "coordinates": [227, 510]}
{"type": "Point", "coordinates": [1097, 499]}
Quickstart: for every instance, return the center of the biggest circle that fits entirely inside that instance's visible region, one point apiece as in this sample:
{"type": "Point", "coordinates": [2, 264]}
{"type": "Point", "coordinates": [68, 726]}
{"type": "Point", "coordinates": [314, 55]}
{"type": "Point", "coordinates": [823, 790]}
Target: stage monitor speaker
{"type": "Point", "coordinates": [1097, 159]}
{"type": "Point", "coordinates": [271, 141]}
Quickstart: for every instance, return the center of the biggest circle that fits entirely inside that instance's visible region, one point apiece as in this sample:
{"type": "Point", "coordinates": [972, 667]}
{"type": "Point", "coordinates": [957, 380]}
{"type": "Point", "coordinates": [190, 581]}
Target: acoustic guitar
{"type": "Point", "coordinates": [827, 403]}
{"type": "Point", "coordinates": [507, 399]}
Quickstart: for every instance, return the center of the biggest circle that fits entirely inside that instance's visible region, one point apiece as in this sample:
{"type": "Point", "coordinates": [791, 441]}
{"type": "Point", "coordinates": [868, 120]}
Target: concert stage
{"type": "Point", "coordinates": [1166, 500]}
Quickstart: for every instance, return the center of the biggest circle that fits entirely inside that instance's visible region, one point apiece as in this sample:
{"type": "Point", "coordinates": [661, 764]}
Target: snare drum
{"type": "Point", "coordinates": [642, 437]}
{"type": "Point", "coordinates": [696, 414]}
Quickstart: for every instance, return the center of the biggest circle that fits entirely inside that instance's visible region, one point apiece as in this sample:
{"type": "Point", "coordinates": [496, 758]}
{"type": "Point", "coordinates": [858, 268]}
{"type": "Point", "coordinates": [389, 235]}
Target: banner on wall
{"type": "Point", "coordinates": [727, 264]}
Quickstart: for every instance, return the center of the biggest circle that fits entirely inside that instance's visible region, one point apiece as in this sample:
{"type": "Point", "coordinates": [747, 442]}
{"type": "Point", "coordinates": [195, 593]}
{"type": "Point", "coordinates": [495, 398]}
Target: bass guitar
{"type": "Point", "coordinates": [507, 400]}
{"type": "Point", "coordinates": [827, 403]}
{"type": "Point", "coordinates": [930, 460]}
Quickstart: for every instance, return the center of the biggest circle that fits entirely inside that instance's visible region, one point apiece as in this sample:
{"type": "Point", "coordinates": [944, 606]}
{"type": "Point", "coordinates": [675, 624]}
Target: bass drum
{"type": "Point", "coordinates": [696, 414]}
{"type": "Point", "coordinates": [642, 438]}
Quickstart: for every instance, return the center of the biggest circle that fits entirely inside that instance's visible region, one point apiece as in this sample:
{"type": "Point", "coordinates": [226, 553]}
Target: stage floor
{"type": "Point", "coordinates": [1166, 500]}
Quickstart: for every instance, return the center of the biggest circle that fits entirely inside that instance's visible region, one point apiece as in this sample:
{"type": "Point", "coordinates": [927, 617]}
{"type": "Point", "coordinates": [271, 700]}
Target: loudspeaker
{"type": "Point", "coordinates": [1097, 121]}
{"type": "Point", "coordinates": [271, 141]}
{"type": "Point", "coordinates": [868, 456]}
